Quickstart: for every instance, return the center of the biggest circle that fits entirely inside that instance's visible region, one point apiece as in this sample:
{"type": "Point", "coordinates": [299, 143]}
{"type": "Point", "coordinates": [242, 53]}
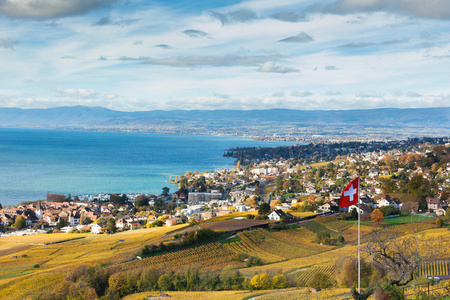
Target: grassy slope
{"type": "Point", "coordinates": [16, 281]}
{"type": "Point", "coordinates": [21, 255]}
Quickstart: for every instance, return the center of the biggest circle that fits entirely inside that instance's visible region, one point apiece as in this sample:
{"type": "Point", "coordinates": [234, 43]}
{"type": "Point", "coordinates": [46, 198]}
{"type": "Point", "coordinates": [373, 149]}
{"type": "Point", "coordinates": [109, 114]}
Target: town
{"type": "Point", "coordinates": [398, 177]}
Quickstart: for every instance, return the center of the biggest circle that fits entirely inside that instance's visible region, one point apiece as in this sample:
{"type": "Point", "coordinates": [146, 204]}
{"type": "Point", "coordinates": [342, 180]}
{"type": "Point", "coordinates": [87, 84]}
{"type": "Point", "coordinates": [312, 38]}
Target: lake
{"type": "Point", "coordinates": [36, 161]}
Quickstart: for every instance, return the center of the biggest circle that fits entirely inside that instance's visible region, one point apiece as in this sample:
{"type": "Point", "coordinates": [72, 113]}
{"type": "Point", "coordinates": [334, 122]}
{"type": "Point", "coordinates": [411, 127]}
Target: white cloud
{"type": "Point", "coordinates": [156, 64]}
{"type": "Point", "coordinates": [301, 93]}
{"type": "Point", "coordinates": [433, 9]}
{"type": "Point", "coordinates": [270, 67]}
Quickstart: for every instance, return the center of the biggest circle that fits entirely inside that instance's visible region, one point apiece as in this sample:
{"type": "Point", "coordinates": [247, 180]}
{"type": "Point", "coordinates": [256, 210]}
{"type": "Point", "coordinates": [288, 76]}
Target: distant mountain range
{"type": "Point", "coordinates": [222, 121]}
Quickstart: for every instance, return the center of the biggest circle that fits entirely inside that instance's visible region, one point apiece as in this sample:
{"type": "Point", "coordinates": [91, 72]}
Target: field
{"type": "Point", "coordinates": [231, 216]}
{"type": "Point", "coordinates": [270, 247]}
{"type": "Point", "coordinates": [37, 253]}
{"type": "Point", "coordinates": [435, 268]}
{"type": "Point", "coordinates": [232, 225]}
{"type": "Point", "coordinates": [407, 219]}
{"type": "Point", "coordinates": [300, 214]}
{"type": "Point", "coordinates": [303, 277]}
{"type": "Point", "coordinates": [31, 264]}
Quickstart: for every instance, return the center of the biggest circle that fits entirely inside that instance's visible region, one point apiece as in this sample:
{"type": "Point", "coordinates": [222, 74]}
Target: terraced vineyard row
{"type": "Point", "coordinates": [267, 242]}
{"type": "Point", "coordinates": [434, 268]}
{"type": "Point", "coordinates": [317, 227]}
{"type": "Point", "coordinates": [213, 255]}
{"type": "Point", "coordinates": [304, 277]}
{"type": "Point", "coordinates": [253, 250]}
{"type": "Point", "coordinates": [301, 237]}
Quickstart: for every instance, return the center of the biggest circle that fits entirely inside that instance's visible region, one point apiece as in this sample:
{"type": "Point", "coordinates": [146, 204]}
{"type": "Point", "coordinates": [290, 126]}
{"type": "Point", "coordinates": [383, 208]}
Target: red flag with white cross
{"type": "Point", "coordinates": [349, 196]}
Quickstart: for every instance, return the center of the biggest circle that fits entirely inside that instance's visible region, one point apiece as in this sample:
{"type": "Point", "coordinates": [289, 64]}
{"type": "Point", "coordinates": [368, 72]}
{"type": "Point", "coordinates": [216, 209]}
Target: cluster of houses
{"type": "Point", "coordinates": [231, 191]}
{"type": "Point", "coordinates": [368, 204]}
{"type": "Point", "coordinates": [40, 214]}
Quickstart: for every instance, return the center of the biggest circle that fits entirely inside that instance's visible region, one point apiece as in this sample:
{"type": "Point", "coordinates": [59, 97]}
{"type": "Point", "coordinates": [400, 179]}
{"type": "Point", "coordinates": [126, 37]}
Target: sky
{"type": "Point", "coordinates": [254, 54]}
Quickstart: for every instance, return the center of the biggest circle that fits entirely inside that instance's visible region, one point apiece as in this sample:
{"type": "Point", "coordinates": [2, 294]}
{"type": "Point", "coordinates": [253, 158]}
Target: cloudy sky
{"type": "Point", "coordinates": [137, 55]}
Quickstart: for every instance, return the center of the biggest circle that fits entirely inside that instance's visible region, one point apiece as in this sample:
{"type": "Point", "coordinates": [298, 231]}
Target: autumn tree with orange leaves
{"type": "Point", "coordinates": [377, 216]}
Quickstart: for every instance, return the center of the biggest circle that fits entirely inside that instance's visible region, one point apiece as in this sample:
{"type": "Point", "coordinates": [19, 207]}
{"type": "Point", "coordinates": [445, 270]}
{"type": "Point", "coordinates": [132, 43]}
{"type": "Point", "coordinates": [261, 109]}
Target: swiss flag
{"type": "Point", "coordinates": [350, 194]}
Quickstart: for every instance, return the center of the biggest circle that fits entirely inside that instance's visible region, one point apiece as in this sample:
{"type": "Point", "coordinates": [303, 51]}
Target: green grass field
{"type": "Point", "coordinates": [407, 219]}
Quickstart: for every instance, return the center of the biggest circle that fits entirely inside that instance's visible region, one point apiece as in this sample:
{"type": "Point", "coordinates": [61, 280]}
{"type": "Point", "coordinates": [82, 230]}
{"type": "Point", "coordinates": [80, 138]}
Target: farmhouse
{"type": "Point", "coordinates": [278, 214]}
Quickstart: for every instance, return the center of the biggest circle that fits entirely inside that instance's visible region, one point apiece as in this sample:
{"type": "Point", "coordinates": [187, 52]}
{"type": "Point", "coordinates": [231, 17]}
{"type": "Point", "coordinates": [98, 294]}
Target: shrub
{"type": "Point", "coordinates": [321, 281]}
{"type": "Point", "coordinates": [439, 222]}
{"type": "Point", "coordinates": [388, 292]}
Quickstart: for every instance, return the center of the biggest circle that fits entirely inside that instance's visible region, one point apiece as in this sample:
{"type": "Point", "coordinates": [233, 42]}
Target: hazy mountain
{"type": "Point", "coordinates": [97, 117]}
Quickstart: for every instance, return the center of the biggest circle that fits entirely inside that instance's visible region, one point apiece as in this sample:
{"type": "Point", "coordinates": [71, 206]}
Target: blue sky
{"type": "Point", "coordinates": [258, 54]}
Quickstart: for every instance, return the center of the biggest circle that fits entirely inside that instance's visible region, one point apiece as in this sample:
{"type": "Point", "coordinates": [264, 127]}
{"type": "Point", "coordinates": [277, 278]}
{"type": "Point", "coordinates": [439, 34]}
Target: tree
{"type": "Point", "coordinates": [165, 191]}
{"type": "Point", "coordinates": [377, 216]}
{"type": "Point", "coordinates": [141, 200]}
{"type": "Point", "coordinates": [56, 197]}
{"type": "Point", "coordinates": [286, 185]}
{"type": "Point", "coordinates": [87, 221]}
{"type": "Point", "coordinates": [264, 209]}
{"type": "Point", "coordinates": [389, 186]}
{"type": "Point", "coordinates": [61, 223]}
{"type": "Point", "coordinates": [321, 281]}
{"type": "Point", "coordinates": [423, 206]}
{"type": "Point", "coordinates": [261, 281]}
{"type": "Point", "coordinates": [354, 214]}
{"type": "Point", "coordinates": [20, 222]}
{"type": "Point", "coordinates": [111, 225]}
{"type": "Point", "coordinates": [165, 282]}
{"type": "Point", "coordinates": [401, 255]}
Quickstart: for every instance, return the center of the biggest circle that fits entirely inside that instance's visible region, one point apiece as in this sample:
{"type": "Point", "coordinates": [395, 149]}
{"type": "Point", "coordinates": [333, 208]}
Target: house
{"type": "Point", "coordinates": [367, 201]}
{"type": "Point", "coordinates": [208, 214]}
{"type": "Point", "coordinates": [66, 229]}
{"type": "Point", "coordinates": [433, 204]}
{"type": "Point", "coordinates": [325, 207]}
{"type": "Point", "coordinates": [441, 210]}
{"type": "Point", "coordinates": [121, 223]}
{"type": "Point", "coordinates": [173, 221]}
{"type": "Point", "coordinates": [278, 214]}
{"type": "Point", "coordinates": [74, 218]}
{"type": "Point", "coordinates": [364, 210]}
{"type": "Point", "coordinates": [96, 229]}
{"type": "Point", "coordinates": [133, 225]}
{"type": "Point", "coordinates": [221, 213]}
{"type": "Point", "coordinates": [384, 201]}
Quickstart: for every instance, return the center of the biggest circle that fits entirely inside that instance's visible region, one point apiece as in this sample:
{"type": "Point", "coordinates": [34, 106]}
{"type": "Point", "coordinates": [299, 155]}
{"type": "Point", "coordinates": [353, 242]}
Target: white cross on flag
{"type": "Point", "coordinates": [350, 194]}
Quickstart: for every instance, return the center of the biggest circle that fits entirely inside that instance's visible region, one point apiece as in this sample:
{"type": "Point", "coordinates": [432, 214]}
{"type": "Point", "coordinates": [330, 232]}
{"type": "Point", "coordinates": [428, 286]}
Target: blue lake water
{"type": "Point", "coordinates": [36, 161]}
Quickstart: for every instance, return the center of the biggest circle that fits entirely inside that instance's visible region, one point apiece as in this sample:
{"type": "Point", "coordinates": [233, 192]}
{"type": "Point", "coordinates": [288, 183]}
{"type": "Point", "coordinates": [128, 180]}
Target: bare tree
{"type": "Point", "coordinates": [402, 254]}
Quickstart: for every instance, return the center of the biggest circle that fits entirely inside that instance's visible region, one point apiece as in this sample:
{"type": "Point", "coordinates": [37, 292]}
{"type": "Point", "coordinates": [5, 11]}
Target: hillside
{"type": "Point", "coordinates": [36, 264]}
{"type": "Point", "coordinates": [228, 121]}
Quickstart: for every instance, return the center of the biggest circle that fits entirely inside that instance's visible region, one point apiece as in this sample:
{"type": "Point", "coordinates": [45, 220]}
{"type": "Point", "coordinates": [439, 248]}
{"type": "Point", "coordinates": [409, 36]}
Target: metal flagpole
{"type": "Point", "coordinates": [359, 242]}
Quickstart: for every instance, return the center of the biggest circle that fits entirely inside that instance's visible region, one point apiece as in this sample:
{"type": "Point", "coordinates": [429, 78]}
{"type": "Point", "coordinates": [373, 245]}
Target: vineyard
{"type": "Point", "coordinates": [300, 237]}
{"type": "Point", "coordinates": [30, 254]}
{"type": "Point", "coordinates": [231, 216]}
{"type": "Point", "coordinates": [317, 227]}
{"type": "Point", "coordinates": [269, 247]}
{"type": "Point", "coordinates": [30, 284]}
{"type": "Point", "coordinates": [434, 268]}
{"type": "Point", "coordinates": [269, 243]}
{"type": "Point", "coordinates": [248, 247]}
{"type": "Point", "coordinates": [304, 276]}
{"type": "Point", "coordinates": [213, 256]}
{"type": "Point", "coordinates": [332, 223]}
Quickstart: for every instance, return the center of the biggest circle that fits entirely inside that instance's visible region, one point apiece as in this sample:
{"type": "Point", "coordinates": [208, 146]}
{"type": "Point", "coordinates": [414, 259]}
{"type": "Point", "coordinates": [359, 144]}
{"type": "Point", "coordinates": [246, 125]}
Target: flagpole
{"type": "Point", "coordinates": [359, 241]}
